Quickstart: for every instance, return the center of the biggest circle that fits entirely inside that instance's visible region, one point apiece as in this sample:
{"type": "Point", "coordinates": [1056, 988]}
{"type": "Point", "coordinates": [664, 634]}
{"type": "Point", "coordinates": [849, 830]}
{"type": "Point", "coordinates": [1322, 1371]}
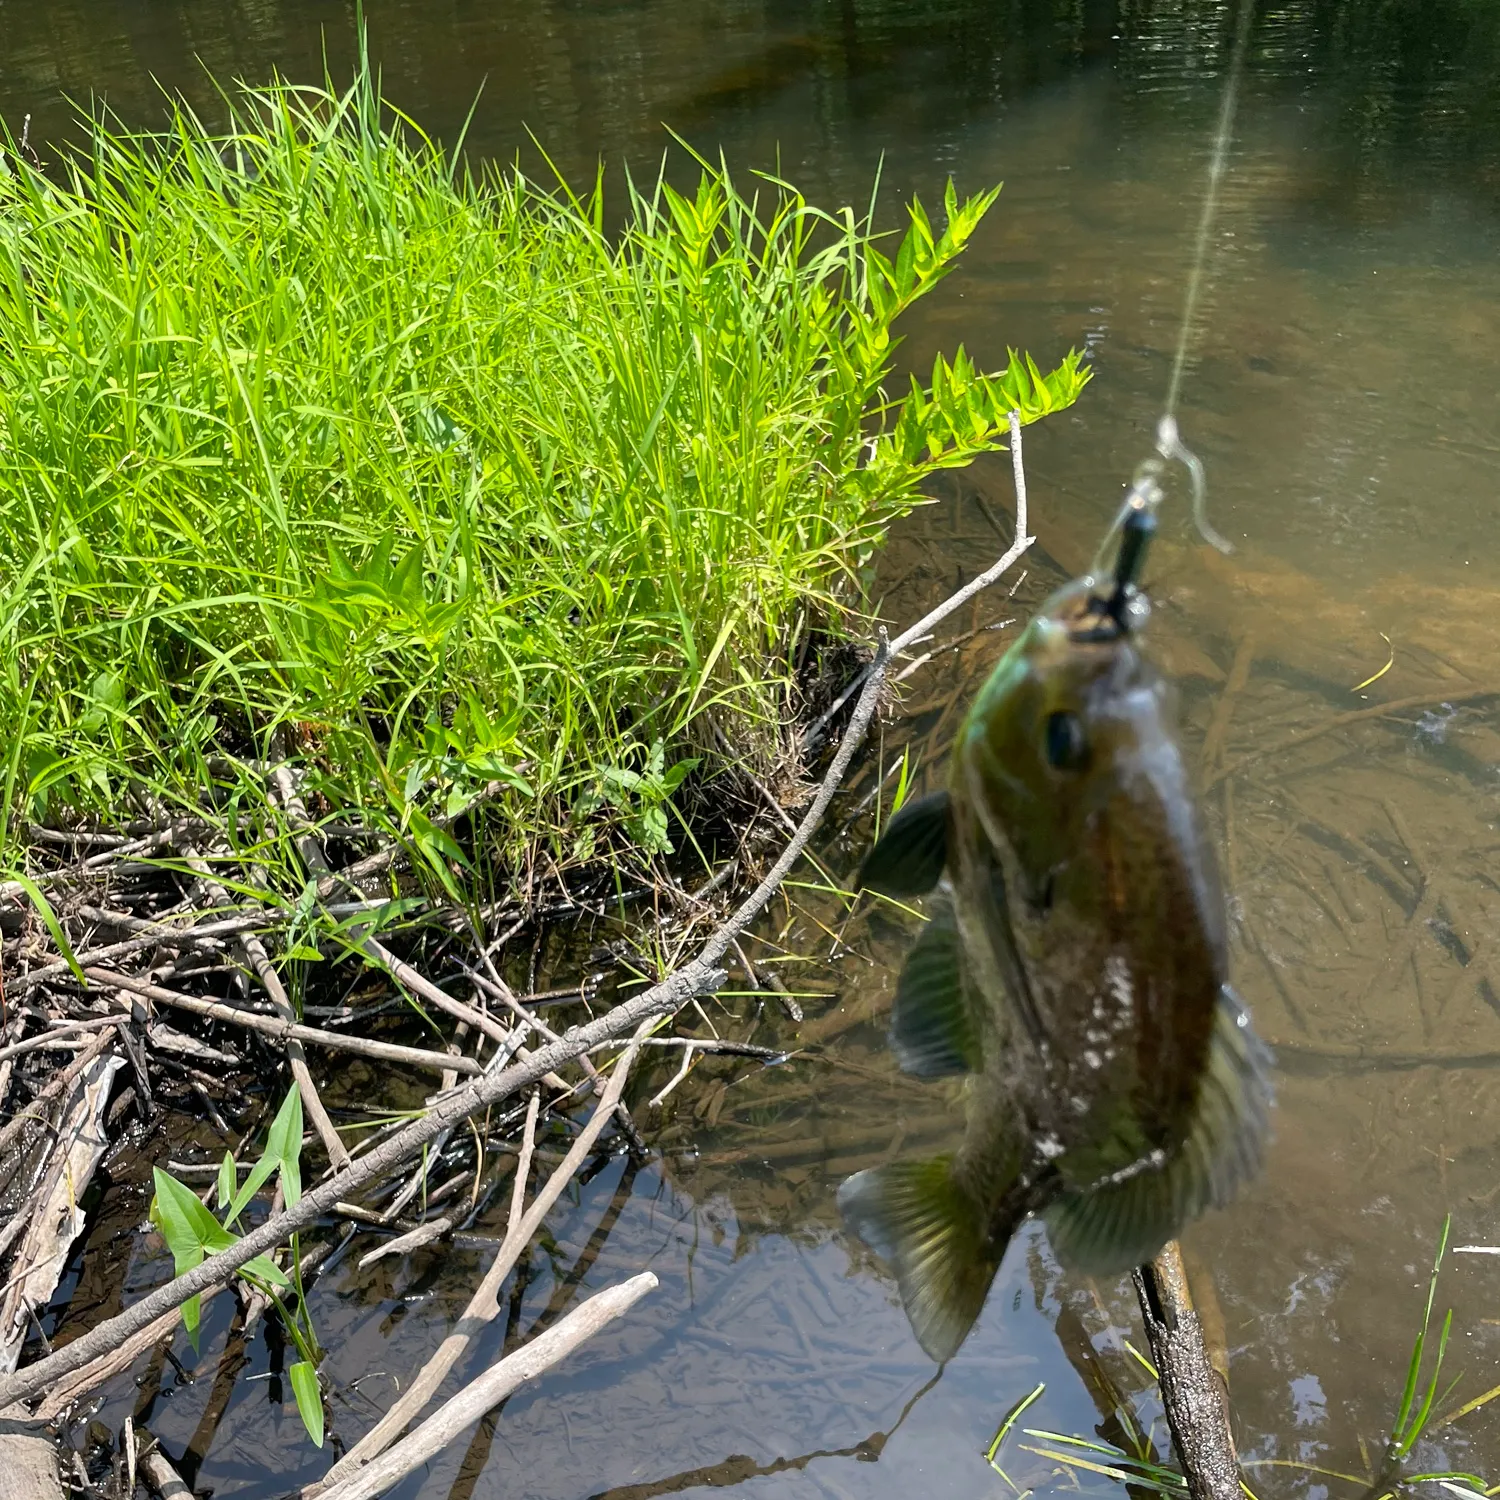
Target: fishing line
{"type": "Point", "coordinates": [1145, 487]}
{"type": "Point", "coordinates": [1216, 167]}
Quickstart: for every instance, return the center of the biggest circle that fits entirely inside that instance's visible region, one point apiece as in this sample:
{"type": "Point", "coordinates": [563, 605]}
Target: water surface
{"type": "Point", "coordinates": [1341, 391]}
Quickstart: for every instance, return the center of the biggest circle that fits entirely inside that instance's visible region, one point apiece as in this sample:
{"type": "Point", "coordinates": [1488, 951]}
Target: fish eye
{"type": "Point", "coordinates": [1067, 745]}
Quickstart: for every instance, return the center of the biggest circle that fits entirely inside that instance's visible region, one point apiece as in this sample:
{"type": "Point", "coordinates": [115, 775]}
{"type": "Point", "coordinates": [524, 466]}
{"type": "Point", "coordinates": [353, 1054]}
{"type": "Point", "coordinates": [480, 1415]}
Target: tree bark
{"type": "Point", "coordinates": [1194, 1396]}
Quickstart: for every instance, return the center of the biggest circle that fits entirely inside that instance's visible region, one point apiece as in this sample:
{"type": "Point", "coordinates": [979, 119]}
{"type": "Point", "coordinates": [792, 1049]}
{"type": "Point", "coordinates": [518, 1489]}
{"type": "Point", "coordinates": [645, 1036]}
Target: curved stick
{"type": "Point", "coordinates": [491, 1388]}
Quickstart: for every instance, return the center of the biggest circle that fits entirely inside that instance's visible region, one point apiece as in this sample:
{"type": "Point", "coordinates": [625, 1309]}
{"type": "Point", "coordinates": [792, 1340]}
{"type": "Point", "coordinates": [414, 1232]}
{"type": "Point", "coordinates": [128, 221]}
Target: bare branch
{"type": "Point", "coordinates": [491, 1388]}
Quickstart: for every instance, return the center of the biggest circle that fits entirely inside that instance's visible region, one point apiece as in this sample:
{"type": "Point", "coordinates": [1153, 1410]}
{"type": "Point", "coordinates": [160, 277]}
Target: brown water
{"type": "Point", "coordinates": [1341, 393]}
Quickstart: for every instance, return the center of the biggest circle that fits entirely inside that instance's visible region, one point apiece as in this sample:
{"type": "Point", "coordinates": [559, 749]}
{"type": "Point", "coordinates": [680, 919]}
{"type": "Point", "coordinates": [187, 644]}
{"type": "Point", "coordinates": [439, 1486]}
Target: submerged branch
{"type": "Point", "coordinates": [1191, 1390]}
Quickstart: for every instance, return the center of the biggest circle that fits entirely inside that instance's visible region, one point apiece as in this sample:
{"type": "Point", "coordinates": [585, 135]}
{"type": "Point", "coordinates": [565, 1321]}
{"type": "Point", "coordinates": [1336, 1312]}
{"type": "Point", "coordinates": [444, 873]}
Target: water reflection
{"type": "Point", "coordinates": [1341, 391]}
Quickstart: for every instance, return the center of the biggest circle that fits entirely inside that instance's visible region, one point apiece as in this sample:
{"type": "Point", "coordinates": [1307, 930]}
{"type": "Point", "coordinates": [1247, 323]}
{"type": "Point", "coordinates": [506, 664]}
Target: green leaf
{"type": "Point", "coordinates": [263, 1268]}
{"type": "Point", "coordinates": [677, 773]}
{"type": "Point", "coordinates": [191, 1232]}
{"type": "Point", "coordinates": [284, 1144]}
{"type": "Point", "coordinates": [187, 1226]}
{"type": "Point", "coordinates": [304, 1380]}
{"type": "Point", "coordinates": [251, 1185]}
{"type": "Point", "coordinates": [228, 1178]}
{"type": "Point", "coordinates": [284, 1136]}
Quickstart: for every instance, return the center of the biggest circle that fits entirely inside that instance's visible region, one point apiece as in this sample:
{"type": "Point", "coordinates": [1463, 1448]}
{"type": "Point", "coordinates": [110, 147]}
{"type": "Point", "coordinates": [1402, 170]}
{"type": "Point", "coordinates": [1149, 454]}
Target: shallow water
{"type": "Point", "coordinates": [1340, 391]}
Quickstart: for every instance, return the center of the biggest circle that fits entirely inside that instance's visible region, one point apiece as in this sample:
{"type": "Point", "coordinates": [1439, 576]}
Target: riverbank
{"type": "Point", "coordinates": [403, 556]}
{"type": "Point", "coordinates": [322, 449]}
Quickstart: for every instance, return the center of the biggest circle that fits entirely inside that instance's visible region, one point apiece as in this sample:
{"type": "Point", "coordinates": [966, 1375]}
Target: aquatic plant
{"type": "Point", "coordinates": [1140, 1467]}
{"type": "Point", "coordinates": [192, 1233]}
{"type": "Point", "coordinates": [316, 440]}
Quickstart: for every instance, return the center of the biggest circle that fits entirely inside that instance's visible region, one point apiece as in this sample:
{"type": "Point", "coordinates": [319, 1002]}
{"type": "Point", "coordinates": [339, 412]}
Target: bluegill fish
{"type": "Point", "coordinates": [1075, 966]}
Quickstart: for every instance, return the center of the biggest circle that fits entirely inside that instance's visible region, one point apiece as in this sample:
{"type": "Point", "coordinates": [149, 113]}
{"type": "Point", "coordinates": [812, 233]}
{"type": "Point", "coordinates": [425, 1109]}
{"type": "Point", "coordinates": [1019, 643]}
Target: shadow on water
{"type": "Point", "coordinates": [1342, 394]}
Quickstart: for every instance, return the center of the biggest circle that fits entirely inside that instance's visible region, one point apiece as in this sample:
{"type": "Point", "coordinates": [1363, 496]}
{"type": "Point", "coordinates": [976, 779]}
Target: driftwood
{"type": "Point", "coordinates": [1192, 1391]}
{"type": "Point", "coordinates": [28, 1463]}
{"type": "Point", "coordinates": [489, 1389]}
{"type": "Point", "coordinates": [56, 1219]}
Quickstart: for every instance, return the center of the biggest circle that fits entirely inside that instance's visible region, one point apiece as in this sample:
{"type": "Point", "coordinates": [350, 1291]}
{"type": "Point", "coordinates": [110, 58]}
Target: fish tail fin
{"type": "Point", "coordinates": [1117, 1224]}
{"type": "Point", "coordinates": [937, 1237]}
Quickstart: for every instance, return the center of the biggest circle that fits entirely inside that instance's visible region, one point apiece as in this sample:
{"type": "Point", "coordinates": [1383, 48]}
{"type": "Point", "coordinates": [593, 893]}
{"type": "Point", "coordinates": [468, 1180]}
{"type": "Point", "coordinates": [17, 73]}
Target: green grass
{"type": "Point", "coordinates": [1142, 1473]}
{"type": "Point", "coordinates": [312, 437]}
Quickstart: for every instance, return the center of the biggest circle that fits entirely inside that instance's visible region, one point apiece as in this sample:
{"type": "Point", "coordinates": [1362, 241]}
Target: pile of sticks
{"type": "Point", "coordinates": [110, 950]}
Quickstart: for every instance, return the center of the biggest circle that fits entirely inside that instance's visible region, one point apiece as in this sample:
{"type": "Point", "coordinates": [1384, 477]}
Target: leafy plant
{"type": "Point", "coordinates": [641, 796]}
{"type": "Point", "coordinates": [311, 434]}
{"type": "Point", "coordinates": [192, 1233]}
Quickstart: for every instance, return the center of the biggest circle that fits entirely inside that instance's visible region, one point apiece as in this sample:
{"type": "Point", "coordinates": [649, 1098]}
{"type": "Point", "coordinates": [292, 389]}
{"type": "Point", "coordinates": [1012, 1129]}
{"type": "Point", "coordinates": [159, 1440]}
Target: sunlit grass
{"type": "Point", "coordinates": [314, 441]}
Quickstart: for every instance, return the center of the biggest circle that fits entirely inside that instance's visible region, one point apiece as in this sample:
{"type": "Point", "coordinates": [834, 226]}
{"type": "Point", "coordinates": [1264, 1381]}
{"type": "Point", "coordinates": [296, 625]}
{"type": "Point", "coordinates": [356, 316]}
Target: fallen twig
{"type": "Point", "coordinates": [413, 1239]}
{"type": "Point", "coordinates": [1197, 1407]}
{"type": "Point", "coordinates": [279, 1030]}
{"type": "Point", "coordinates": [160, 838]}
{"type": "Point", "coordinates": [484, 1305]}
{"type": "Point", "coordinates": [270, 981]}
{"type": "Point", "coordinates": [160, 1474]}
{"type": "Point", "coordinates": [488, 1390]}
{"type": "Point", "coordinates": [62, 1030]}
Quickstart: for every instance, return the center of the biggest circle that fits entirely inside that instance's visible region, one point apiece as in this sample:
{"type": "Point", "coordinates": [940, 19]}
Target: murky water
{"type": "Point", "coordinates": [1341, 392]}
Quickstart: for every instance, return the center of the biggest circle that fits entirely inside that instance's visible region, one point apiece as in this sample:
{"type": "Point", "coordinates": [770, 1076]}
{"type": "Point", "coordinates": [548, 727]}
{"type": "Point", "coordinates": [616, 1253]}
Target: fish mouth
{"type": "Point", "coordinates": [1092, 612]}
{"type": "Point", "coordinates": [1094, 618]}
{"type": "Point", "coordinates": [1110, 616]}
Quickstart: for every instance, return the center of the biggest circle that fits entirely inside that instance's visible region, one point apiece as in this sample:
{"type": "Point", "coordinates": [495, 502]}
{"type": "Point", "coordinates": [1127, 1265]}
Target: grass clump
{"type": "Point", "coordinates": [313, 437]}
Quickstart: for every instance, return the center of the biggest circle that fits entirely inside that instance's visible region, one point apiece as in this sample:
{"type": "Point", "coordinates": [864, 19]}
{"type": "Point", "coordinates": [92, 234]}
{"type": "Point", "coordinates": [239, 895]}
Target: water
{"type": "Point", "coordinates": [1340, 392]}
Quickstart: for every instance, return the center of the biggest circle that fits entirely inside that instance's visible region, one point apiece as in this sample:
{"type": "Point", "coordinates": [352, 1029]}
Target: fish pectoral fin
{"type": "Point", "coordinates": [909, 856]}
{"type": "Point", "coordinates": [935, 1236]}
{"type": "Point", "coordinates": [1115, 1225]}
{"type": "Point", "coordinates": [932, 1026]}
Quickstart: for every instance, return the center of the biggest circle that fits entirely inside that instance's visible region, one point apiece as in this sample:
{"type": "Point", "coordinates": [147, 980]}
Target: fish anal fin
{"type": "Point", "coordinates": [932, 1027]}
{"type": "Point", "coordinates": [935, 1236]}
{"type": "Point", "coordinates": [1122, 1222]}
{"type": "Point", "coordinates": [909, 856]}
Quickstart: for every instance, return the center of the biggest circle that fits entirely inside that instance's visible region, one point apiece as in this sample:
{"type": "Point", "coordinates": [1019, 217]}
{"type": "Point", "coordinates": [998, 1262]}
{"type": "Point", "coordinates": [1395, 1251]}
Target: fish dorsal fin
{"type": "Point", "coordinates": [934, 1235]}
{"type": "Point", "coordinates": [909, 856]}
{"type": "Point", "coordinates": [1120, 1223]}
{"type": "Point", "coordinates": [932, 1026]}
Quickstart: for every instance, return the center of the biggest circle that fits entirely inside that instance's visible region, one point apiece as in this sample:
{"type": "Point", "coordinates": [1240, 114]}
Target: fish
{"type": "Point", "coordinates": [1074, 967]}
